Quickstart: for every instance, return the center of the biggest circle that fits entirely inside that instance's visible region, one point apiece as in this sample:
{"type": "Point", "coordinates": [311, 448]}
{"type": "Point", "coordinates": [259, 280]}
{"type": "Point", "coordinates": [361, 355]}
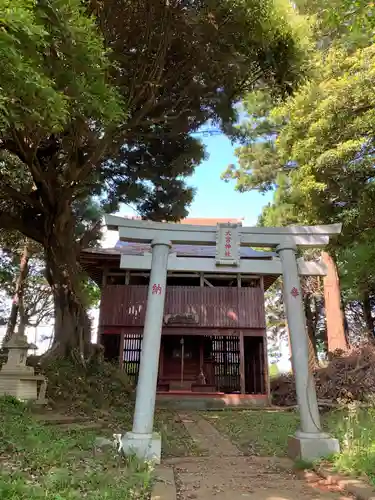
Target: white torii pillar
{"type": "Point", "coordinates": [142, 441]}
{"type": "Point", "coordinates": [309, 442]}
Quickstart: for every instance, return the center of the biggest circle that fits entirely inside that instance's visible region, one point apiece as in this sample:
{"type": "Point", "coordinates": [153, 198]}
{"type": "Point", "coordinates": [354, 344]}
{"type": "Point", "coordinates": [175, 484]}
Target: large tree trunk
{"type": "Point", "coordinates": [310, 327]}
{"type": "Point", "coordinates": [336, 337]}
{"type": "Point", "coordinates": [22, 317]}
{"type": "Point", "coordinates": [18, 294]}
{"type": "Point", "coordinates": [72, 324]}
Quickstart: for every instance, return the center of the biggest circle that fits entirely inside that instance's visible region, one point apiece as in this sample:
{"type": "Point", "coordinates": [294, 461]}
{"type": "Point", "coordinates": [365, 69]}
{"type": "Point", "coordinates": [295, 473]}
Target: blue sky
{"type": "Point", "coordinates": [216, 198]}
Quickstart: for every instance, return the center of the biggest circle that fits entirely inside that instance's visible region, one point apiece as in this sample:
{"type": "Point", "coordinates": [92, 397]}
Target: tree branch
{"type": "Point", "coordinates": [13, 194]}
{"type": "Point", "coordinates": [11, 222]}
{"type": "Point", "coordinates": [89, 235]}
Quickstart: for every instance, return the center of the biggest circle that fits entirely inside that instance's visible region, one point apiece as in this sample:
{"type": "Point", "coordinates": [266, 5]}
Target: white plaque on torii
{"type": "Point", "coordinates": [228, 243]}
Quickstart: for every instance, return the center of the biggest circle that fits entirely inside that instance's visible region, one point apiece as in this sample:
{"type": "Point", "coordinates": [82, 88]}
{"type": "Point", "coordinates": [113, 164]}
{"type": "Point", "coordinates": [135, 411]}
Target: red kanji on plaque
{"type": "Point", "coordinates": [294, 292]}
{"type": "Point", "coordinates": [156, 289]}
{"type": "Point", "coordinates": [228, 244]}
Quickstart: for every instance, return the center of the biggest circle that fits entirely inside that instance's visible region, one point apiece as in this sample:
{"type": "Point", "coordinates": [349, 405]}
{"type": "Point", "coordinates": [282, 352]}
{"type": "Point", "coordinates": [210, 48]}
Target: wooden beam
{"type": "Point", "coordinates": [242, 364]}
{"type": "Point", "coordinates": [100, 328]}
{"type": "Point", "coordinates": [205, 280]}
{"type": "Point", "coordinates": [196, 331]}
{"type": "Point", "coordinates": [105, 274]}
{"type": "Point", "coordinates": [161, 360]}
{"type": "Point", "coordinates": [121, 353]}
{"type": "Point", "coordinates": [266, 369]}
{"type": "Point", "coordinates": [201, 277]}
{"type": "Point", "coordinates": [176, 274]}
{"type": "Point", "coordinates": [201, 356]}
{"type": "Point", "coordinates": [265, 353]}
{"type": "Point", "coordinates": [247, 266]}
{"type": "Point", "coordinates": [239, 283]}
{"type": "Point", "coordinates": [183, 275]}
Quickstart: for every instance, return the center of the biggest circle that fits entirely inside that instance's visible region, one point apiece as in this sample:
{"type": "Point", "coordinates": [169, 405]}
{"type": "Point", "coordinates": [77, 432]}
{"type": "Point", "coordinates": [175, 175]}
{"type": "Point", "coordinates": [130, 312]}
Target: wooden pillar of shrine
{"type": "Point", "coordinates": [242, 364]}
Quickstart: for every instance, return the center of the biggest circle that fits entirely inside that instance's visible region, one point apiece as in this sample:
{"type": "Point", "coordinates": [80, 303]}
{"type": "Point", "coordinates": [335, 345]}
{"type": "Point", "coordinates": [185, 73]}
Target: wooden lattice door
{"type": "Point", "coordinates": [226, 357]}
{"type": "Point", "coordinates": [132, 355]}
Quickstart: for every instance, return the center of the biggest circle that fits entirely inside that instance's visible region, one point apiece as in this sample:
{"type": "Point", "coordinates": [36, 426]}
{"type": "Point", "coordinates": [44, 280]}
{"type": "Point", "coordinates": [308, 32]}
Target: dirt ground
{"type": "Point", "coordinates": [225, 474]}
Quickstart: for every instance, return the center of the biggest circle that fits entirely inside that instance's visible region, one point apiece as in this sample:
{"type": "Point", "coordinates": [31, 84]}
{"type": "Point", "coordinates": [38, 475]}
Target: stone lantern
{"type": "Point", "coordinates": [17, 379]}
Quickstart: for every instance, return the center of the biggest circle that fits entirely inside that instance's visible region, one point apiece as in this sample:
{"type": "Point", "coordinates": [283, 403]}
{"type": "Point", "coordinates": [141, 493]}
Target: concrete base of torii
{"type": "Point", "coordinates": [145, 447]}
{"type": "Point", "coordinates": [310, 447]}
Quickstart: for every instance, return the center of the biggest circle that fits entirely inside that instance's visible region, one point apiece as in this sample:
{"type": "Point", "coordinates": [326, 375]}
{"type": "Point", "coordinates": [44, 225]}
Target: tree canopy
{"type": "Point", "coordinates": [318, 150]}
{"type": "Point", "coordinates": [315, 149]}
{"type": "Point", "coordinates": [100, 99]}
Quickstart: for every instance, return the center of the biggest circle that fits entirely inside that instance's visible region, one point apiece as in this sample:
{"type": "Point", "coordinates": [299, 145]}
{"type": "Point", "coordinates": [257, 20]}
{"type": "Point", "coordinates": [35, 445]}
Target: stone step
{"type": "Point", "coordinates": [178, 386]}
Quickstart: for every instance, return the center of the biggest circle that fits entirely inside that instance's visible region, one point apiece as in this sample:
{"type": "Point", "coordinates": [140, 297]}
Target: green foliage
{"type": "Point", "coordinates": [170, 88]}
{"type": "Point", "coordinates": [101, 106]}
{"type": "Point", "coordinates": [347, 21]}
{"type": "Point", "coordinates": [91, 293]}
{"type": "Point", "coordinates": [94, 385]}
{"type": "Point", "coordinates": [45, 462]}
{"type": "Point", "coordinates": [356, 264]}
{"type": "Point", "coordinates": [45, 48]}
{"type": "Point", "coordinates": [316, 149]}
{"type": "Point", "coordinates": [328, 137]}
{"type": "Point", "coordinates": [273, 370]}
{"type": "Point", "coordinates": [101, 392]}
{"type": "Point", "coordinates": [355, 428]}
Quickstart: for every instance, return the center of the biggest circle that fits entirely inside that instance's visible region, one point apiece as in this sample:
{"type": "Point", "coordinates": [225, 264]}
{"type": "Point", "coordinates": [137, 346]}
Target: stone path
{"type": "Point", "coordinates": [207, 437]}
{"type": "Point", "coordinates": [225, 474]}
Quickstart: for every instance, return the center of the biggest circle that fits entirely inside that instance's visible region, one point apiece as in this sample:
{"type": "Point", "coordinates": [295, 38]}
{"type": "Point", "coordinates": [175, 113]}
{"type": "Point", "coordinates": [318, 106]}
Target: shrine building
{"type": "Point", "coordinates": [213, 340]}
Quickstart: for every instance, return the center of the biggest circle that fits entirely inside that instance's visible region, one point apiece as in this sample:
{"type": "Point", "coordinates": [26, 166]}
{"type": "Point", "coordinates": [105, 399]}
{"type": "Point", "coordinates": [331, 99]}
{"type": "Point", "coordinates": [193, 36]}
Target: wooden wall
{"type": "Point", "coordinates": [219, 307]}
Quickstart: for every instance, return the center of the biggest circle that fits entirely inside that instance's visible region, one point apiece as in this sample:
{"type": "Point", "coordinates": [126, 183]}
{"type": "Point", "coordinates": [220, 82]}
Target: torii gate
{"type": "Point", "coordinates": [309, 442]}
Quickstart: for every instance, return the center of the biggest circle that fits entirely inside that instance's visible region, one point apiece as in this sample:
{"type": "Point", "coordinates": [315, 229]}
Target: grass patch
{"type": "Point", "coordinates": [300, 464]}
{"type": "Point", "coordinates": [355, 428]}
{"type": "Point", "coordinates": [265, 433]}
{"type": "Point", "coordinates": [43, 462]}
{"type": "Point", "coordinates": [95, 385]}
{"type": "Point", "coordinates": [102, 392]}
{"type": "Point", "coordinates": [175, 440]}
{"type": "Point", "coordinates": [257, 432]}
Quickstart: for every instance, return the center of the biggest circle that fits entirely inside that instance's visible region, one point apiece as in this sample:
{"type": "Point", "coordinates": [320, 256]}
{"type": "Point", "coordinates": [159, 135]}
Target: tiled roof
{"type": "Point", "coordinates": [197, 221]}
{"type": "Point", "coordinates": [203, 221]}
{"type": "Point", "coordinates": [129, 248]}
